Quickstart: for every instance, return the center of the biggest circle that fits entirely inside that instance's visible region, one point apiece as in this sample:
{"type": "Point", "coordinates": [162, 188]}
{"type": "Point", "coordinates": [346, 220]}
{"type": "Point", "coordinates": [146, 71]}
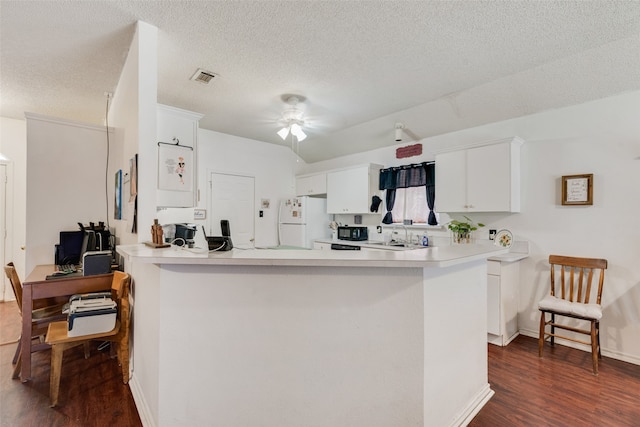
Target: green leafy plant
{"type": "Point", "coordinates": [462, 229]}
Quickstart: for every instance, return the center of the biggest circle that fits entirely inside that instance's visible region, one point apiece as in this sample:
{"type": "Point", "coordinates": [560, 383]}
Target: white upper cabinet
{"type": "Point", "coordinates": [177, 134]}
{"type": "Point", "coordinates": [311, 185]}
{"type": "Point", "coordinates": [349, 191]}
{"type": "Point", "coordinates": [479, 179]}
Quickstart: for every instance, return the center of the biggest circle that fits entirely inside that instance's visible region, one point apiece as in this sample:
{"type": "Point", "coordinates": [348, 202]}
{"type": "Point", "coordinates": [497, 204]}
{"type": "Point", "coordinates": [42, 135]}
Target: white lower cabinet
{"type": "Point", "coordinates": [502, 301]}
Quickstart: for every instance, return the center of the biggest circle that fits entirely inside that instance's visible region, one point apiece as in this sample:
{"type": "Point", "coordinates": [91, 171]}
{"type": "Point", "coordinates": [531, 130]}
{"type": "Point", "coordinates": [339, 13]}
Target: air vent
{"type": "Point", "coordinates": [203, 76]}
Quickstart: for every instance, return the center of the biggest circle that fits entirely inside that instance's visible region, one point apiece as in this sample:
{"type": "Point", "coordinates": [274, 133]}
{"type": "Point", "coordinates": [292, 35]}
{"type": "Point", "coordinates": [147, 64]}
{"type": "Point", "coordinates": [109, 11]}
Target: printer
{"type": "Point", "coordinates": [92, 313]}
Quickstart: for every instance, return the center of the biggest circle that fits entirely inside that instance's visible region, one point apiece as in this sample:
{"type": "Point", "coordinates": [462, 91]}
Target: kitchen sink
{"type": "Point", "coordinates": [397, 245]}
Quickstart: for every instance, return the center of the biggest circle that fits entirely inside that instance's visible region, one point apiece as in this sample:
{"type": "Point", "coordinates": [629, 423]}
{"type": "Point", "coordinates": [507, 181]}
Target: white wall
{"type": "Point", "coordinates": [65, 182]}
{"type": "Point", "coordinates": [600, 137]}
{"type": "Point", "coordinates": [273, 167]}
{"type": "Point", "coordinates": [13, 145]}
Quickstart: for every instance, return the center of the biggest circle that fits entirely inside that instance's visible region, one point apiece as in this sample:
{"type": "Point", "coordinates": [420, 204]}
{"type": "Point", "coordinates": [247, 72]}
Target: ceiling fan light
{"type": "Point", "coordinates": [298, 132]}
{"type": "Point", "coordinates": [283, 133]}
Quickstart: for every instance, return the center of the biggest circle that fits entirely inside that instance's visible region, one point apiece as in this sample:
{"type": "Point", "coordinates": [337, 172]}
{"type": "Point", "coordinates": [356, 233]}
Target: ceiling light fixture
{"type": "Point", "coordinates": [293, 121]}
{"type": "Point", "coordinates": [399, 128]}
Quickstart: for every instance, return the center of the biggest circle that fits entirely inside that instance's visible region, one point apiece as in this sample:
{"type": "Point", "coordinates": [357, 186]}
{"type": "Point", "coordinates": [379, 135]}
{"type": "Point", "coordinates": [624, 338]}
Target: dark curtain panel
{"type": "Point", "coordinates": [390, 200]}
{"type": "Point", "coordinates": [387, 179]}
{"type": "Point", "coordinates": [430, 174]}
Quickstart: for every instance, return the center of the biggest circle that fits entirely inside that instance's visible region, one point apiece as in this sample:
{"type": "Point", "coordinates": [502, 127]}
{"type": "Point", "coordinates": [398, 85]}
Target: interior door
{"type": "Point", "coordinates": [232, 198]}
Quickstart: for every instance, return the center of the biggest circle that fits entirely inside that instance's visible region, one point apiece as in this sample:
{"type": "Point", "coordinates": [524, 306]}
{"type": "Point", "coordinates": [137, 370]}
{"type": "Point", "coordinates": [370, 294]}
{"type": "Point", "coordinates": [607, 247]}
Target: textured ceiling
{"type": "Point", "coordinates": [436, 66]}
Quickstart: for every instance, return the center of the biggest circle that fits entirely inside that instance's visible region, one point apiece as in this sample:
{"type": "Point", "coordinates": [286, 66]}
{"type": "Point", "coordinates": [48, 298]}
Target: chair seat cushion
{"type": "Point", "coordinates": [558, 305]}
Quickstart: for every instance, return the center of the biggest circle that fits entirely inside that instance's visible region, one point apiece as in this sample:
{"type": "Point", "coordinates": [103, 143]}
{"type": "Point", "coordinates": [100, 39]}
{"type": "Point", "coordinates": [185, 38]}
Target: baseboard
{"type": "Point", "coordinates": [498, 340]}
{"type": "Point", "coordinates": [605, 352]}
{"type": "Point", "coordinates": [474, 407]}
{"type": "Point", "coordinates": [141, 404]}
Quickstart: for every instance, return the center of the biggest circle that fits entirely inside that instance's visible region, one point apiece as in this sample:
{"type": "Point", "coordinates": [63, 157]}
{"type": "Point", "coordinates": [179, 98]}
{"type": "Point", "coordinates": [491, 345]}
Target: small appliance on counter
{"type": "Point", "coordinates": [179, 234]}
{"type": "Point", "coordinates": [220, 243]}
{"type": "Point", "coordinates": [353, 233]}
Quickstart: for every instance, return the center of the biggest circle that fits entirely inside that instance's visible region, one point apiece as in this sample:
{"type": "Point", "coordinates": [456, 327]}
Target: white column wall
{"type": "Point", "coordinates": [133, 115]}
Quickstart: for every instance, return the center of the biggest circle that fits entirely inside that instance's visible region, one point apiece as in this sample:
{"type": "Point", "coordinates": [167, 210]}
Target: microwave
{"type": "Point", "coordinates": [353, 233]}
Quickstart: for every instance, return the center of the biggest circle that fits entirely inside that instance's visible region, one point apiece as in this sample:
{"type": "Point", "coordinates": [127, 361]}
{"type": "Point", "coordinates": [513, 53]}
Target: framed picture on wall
{"type": "Point", "coordinates": [117, 205]}
{"type": "Point", "coordinates": [175, 167]}
{"type": "Point", "coordinates": [577, 189]}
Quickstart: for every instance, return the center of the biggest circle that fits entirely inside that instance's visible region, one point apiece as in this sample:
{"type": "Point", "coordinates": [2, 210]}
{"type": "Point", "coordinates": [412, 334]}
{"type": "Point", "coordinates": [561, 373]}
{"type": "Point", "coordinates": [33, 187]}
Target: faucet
{"type": "Point", "coordinates": [406, 236]}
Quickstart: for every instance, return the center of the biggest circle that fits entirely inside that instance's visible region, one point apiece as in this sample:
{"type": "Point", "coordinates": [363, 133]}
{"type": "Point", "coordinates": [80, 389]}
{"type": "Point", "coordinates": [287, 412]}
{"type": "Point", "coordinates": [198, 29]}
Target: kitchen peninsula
{"type": "Point", "coordinates": [309, 337]}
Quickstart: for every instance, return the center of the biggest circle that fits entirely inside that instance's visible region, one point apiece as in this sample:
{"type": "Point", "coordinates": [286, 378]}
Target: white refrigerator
{"type": "Point", "coordinates": [301, 220]}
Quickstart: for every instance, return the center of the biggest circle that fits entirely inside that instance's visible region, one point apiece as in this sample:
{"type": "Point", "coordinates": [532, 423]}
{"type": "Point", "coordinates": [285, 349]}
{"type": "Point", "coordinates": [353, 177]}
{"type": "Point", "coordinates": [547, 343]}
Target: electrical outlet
{"type": "Point", "coordinates": [261, 214]}
{"type": "Point", "coordinates": [492, 234]}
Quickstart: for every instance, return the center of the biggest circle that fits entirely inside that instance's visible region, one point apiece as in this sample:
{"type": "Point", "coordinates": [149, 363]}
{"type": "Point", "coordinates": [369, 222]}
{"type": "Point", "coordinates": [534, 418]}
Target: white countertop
{"type": "Point", "coordinates": [444, 256]}
{"type": "Point", "coordinates": [518, 251]}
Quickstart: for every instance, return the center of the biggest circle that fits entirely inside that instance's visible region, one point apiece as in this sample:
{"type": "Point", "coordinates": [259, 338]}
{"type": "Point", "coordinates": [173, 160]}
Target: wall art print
{"type": "Point", "coordinates": [175, 167]}
{"type": "Point", "coordinates": [117, 214]}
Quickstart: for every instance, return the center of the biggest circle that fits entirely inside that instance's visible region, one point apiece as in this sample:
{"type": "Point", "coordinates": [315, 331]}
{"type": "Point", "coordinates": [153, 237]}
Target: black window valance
{"type": "Point", "coordinates": [414, 175]}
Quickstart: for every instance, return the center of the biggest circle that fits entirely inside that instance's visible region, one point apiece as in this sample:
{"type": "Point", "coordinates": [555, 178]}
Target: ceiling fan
{"type": "Point", "coordinates": [292, 120]}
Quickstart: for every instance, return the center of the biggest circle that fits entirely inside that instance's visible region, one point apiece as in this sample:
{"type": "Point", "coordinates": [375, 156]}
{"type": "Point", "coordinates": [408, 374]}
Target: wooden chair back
{"type": "Point", "coordinates": [12, 275]}
{"type": "Point", "coordinates": [120, 293]}
{"type": "Point", "coordinates": [577, 279]}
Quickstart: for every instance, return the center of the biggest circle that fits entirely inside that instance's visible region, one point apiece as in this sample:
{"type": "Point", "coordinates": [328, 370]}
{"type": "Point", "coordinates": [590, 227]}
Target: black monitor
{"type": "Point", "coordinates": [70, 248]}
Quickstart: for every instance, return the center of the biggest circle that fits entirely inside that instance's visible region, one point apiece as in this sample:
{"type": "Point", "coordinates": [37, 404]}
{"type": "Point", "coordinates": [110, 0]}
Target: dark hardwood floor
{"type": "Point", "coordinates": [91, 390]}
{"type": "Point", "coordinates": [558, 390]}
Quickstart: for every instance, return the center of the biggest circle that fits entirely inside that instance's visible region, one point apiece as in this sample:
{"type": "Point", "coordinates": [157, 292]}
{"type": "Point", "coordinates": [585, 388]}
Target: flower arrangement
{"type": "Point", "coordinates": [462, 229]}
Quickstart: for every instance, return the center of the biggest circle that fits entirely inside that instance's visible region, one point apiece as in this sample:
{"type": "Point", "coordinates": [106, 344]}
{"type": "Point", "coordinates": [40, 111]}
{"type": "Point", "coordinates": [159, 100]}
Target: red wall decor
{"type": "Point", "coordinates": [409, 151]}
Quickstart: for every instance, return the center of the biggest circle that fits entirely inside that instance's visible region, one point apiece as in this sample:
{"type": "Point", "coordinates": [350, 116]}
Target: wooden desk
{"type": "Point", "coordinates": [36, 287]}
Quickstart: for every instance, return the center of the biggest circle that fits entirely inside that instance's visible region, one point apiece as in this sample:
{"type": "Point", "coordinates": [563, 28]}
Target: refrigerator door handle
{"type": "Point", "coordinates": [279, 222]}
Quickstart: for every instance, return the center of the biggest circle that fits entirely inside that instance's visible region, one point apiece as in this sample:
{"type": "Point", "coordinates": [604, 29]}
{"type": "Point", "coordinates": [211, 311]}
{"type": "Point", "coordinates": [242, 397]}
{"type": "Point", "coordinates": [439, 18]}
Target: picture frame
{"type": "Point", "coordinates": [175, 167]}
{"type": "Point", "coordinates": [117, 211]}
{"type": "Point", "coordinates": [577, 190]}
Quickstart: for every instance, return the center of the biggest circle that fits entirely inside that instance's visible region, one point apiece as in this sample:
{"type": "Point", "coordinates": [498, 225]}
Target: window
{"type": "Point", "coordinates": [409, 189]}
{"type": "Point", "coordinates": [411, 203]}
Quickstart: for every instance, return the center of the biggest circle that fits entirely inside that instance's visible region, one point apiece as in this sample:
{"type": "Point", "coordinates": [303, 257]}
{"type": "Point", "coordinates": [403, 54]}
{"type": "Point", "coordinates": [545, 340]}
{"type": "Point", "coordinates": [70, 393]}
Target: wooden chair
{"type": "Point", "coordinates": [59, 340]}
{"type": "Point", "coordinates": [572, 296]}
{"type": "Point", "coordinates": [44, 312]}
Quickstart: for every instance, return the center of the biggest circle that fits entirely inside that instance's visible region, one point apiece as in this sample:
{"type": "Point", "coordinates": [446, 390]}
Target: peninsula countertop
{"type": "Point", "coordinates": [433, 257]}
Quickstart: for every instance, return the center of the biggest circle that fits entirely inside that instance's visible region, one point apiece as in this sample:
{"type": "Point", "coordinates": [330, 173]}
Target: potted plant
{"type": "Point", "coordinates": [462, 229]}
